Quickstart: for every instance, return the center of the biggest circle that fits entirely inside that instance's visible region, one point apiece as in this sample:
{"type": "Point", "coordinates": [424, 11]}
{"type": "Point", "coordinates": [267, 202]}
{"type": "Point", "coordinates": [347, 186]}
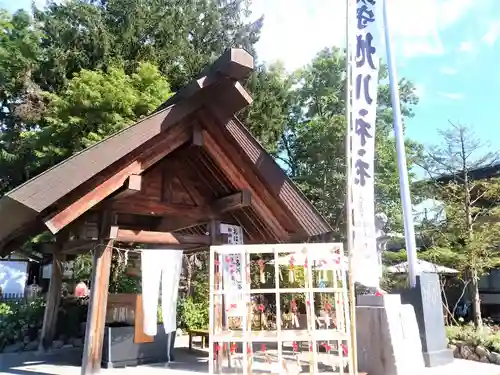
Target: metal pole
{"type": "Point", "coordinates": [411, 248]}
{"type": "Point", "coordinates": [350, 6]}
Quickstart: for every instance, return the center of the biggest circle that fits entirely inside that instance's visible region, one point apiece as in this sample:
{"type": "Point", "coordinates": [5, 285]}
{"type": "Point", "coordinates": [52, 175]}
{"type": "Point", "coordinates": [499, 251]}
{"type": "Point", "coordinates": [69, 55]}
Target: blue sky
{"type": "Point", "coordinates": [448, 48]}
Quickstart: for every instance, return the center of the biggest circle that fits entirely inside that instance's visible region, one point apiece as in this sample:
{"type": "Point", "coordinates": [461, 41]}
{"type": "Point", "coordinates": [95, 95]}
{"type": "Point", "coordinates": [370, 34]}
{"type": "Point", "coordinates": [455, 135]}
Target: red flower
{"type": "Point", "coordinates": [216, 348]}
{"type": "Point", "coordinates": [233, 348]}
{"type": "Point", "coordinates": [249, 349]}
{"type": "Point", "coordinates": [311, 347]}
{"type": "Point", "coordinates": [216, 262]}
{"type": "Point", "coordinates": [233, 306]}
{"type": "Point", "coordinates": [263, 347]}
{"type": "Point", "coordinates": [344, 349]}
{"type": "Point", "coordinates": [261, 307]}
{"type": "Point", "coordinates": [326, 346]}
{"type": "Point", "coordinates": [228, 259]}
{"type": "Point", "coordinates": [295, 347]}
{"type": "Point", "coordinates": [306, 264]}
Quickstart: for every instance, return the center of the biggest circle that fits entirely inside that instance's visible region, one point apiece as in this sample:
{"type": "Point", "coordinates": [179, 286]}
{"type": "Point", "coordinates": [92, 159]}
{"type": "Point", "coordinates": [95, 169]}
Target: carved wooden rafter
{"type": "Point", "coordinates": [169, 141]}
{"type": "Point", "coordinates": [151, 237]}
{"type": "Point", "coordinates": [226, 163]}
{"type": "Point", "coordinates": [152, 207]}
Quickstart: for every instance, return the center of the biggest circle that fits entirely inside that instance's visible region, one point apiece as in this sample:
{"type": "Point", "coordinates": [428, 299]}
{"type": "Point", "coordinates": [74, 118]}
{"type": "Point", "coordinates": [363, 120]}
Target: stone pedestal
{"type": "Point", "coordinates": [387, 336]}
{"type": "Point", "coordinates": [428, 305]}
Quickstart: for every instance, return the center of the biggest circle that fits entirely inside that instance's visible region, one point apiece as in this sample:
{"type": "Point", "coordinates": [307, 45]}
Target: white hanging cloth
{"type": "Point", "coordinates": [160, 267]}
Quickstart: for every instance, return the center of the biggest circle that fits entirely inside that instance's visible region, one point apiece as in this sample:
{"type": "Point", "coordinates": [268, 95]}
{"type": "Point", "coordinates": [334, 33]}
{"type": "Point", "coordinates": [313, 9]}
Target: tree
{"type": "Point", "coordinates": [20, 100]}
{"type": "Point", "coordinates": [40, 57]}
{"type": "Point", "coordinates": [471, 227]}
{"type": "Point", "coordinates": [94, 105]}
{"type": "Point", "coordinates": [313, 144]}
{"type": "Point", "coordinates": [181, 37]}
{"type": "Point", "coordinates": [270, 87]}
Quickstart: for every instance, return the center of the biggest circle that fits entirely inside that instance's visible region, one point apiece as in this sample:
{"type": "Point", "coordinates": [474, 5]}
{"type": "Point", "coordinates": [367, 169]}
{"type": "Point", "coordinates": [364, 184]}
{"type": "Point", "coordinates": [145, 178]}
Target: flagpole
{"type": "Point", "coordinates": [411, 248]}
{"type": "Point", "coordinates": [353, 370]}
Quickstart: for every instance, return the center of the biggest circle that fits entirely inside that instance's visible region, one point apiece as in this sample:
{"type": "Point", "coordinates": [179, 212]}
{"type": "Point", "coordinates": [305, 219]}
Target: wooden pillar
{"type": "Point", "coordinates": [96, 316]}
{"type": "Point", "coordinates": [52, 302]}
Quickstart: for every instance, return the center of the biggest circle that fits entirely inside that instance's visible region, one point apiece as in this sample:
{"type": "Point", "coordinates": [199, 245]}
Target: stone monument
{"type": "Point", "coordinates": [388, 338]}
{"type": "Point", "coordinates": [428, 305]}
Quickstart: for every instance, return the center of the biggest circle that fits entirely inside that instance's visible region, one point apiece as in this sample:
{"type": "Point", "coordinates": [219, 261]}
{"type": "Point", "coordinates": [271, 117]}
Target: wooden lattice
{"type": "Point", "coordinates": [279, 309]}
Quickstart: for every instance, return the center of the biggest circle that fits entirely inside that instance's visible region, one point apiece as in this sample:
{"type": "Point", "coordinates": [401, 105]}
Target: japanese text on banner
{"type": "Point", "coordinates": [233, 272]}
{"type": "Point", "coordinates": [364, 109]}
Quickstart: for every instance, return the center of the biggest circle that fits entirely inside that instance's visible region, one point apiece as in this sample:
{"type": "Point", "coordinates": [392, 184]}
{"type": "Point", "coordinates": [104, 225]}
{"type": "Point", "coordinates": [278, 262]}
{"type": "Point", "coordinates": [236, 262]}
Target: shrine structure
{"type": "Point", "coordinates": [168, 179]}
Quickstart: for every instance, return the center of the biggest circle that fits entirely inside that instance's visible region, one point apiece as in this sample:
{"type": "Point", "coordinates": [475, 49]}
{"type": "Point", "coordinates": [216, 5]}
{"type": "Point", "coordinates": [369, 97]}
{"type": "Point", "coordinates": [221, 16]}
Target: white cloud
{"type": "Point", "coordinates": [294, 30]}
{"type": "Point", "coordinates": [452, 95]}
{"type": "Point", "coordinates": [448, 70]}
{"type": "Point", "coordinates": [419, 90]}
{"type": "Point", "coordinates": [466, 46]}
{"type": "Point", "coordinates": [491, 36]}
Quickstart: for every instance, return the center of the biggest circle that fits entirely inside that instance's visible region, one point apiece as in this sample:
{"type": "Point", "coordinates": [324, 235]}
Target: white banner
{"type": "Point", "coordinates": [366, 46]}
{"type": "Point", "coordinates": [232, 272]}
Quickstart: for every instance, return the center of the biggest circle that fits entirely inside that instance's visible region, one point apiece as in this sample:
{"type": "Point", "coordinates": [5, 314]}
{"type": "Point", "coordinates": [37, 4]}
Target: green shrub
{"type": "Point", "coordinates": [192, 315]}
{"type": "Point", "coordinates": [488, 336]}
{"type": "Point", "coordinates": [5, 310]}
{"type": "Point", "coordinates": [19, 319]}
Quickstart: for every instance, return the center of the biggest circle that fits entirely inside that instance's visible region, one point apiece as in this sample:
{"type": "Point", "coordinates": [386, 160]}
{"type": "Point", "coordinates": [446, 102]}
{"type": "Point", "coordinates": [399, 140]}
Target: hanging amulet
{"type": "Point", "coordinates": [262, 273]}
{"type": "Point", "coordinates": [291, 272]}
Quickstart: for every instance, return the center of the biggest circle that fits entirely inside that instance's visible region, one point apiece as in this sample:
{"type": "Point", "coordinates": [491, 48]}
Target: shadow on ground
{"type": "Point", "coordinates": [27, 363]}
{"type": "Point", "coordinates": [67, 361]}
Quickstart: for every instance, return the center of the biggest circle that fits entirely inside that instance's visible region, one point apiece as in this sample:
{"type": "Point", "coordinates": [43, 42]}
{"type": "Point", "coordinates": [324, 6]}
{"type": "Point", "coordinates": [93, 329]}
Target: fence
{"type": "Point", "coordinates": [11, 297]}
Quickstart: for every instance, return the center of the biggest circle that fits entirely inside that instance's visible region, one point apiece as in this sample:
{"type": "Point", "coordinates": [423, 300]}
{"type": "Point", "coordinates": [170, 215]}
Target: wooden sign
{"type": "Point", "coordinates": [127, 308]}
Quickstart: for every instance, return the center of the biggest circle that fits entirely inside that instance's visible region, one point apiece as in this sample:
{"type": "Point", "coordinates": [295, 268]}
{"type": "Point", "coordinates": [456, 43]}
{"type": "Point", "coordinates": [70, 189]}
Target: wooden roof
{"type": "Point", "coordinates": [176, 165]}
{"type": "Point", "coordinates": [481, 173]}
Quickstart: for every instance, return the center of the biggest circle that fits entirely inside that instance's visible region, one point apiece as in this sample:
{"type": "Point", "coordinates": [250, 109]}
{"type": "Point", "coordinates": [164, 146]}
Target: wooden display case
{"type": "Point", "coordinates": [243, 276]}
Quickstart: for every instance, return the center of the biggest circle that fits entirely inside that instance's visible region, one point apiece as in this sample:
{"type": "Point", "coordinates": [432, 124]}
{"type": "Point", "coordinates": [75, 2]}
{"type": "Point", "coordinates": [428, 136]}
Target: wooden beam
{"type": "Point", "coordinates": [52, 306]}
{"type": "Point", "coordinates": [231, 96]}
{"type": "Point", "coordinates": [167, 238]}
{"type": "Point", "coordinates": [168, 142]}
{"type": "Point", "coordinates": [96, 316]}
{"type": "Point", "coordinates": [79, 246]}
{"type": "Point", "coordinates": [240, 144]}
{"type": "Point", "coordinates": [156, 208]}
{"type": "Point", "coordinates": [235, 64]}
{"type": "Point", "coordinates": [226, 163]}
{"type": "Point", "coordinates": [131, 187]}
{"type": "Point", "coordinates": [233, 202]}
{"type": "Point", "coordinates": [169, 224]}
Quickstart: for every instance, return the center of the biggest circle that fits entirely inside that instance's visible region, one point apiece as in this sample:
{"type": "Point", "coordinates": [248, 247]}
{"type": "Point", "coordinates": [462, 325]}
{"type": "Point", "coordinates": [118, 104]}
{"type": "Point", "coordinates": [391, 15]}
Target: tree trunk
{"type": "Point", "coordinates": [476, 301]}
